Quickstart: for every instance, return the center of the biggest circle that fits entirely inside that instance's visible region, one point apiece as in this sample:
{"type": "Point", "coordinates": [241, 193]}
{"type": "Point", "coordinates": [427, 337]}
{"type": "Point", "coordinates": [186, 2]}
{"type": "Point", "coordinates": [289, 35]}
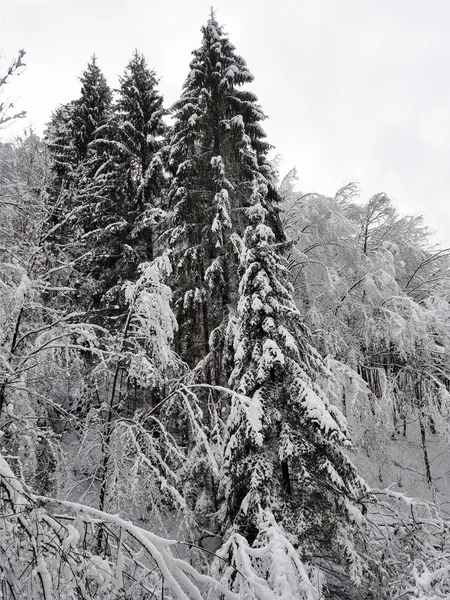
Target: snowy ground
{"type": "Point", "coordinates": [399, 462]}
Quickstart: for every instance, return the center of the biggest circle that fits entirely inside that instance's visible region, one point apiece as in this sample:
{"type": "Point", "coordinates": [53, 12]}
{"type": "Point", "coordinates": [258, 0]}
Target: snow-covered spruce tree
{"type": "Point", "coordinates": [69, 136]}
{"type": "Point", "coordinates": [140, 114]}
{"type": "Point", "coordinates": [269, 569]}
{"type": "Point", "coordinates": [92, 109]}
{"type": "Point", "coordinates": [40, 335]}
{"type": "Point", "coordinates": [73, 126]}
{"type": "Point", "coordinates": [125, 190]}
{"type": "Point", "coordinates": [60, 139]}
{"type": "Point", "coordinates": [286, 448]}
{"type": "Point", "coordinates": [216, 147]}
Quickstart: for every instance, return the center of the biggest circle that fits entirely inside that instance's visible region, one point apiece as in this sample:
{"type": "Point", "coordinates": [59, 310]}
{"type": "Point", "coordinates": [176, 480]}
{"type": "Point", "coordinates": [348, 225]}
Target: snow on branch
{"type": "Point", "coordinates": [58, 557]}
{"type": "Point", "coordinates": [8, 105]}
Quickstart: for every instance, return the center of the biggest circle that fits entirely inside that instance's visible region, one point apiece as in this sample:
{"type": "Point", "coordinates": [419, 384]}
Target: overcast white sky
{"type": "Point", "coordinates": [355, 90]}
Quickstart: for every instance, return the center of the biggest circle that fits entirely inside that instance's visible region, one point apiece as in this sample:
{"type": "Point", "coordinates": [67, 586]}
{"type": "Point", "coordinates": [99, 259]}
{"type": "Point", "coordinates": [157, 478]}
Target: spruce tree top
{"type": "Point", "coordinates": [214, 117]}
{"type": "Point", "coordinates": [92, 108]}
{"type": "Point", "coordinates": [216, 150]}
{"type": "Point", "coordinates": [140, 108]}
{"type": "Point", "coordinates": [60, 141]}
{"type": "Point", "coordinates": [73, 126]}
{"type": "Point", "coordinates": [287, 443]}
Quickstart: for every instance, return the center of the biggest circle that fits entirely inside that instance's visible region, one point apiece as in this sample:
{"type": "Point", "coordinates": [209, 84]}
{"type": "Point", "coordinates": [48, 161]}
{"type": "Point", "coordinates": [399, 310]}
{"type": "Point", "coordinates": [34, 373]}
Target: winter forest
{"type": "Point", "coordinates": [212, 385]}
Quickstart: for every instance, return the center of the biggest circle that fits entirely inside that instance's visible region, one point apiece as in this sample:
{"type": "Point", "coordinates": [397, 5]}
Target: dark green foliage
{"type": "Point", "coordinates": [140, 129]}
{"type": "Point", "coordinates": [73, 126]}
{"type": "Point", "coordinates": [60, 138]}
{"type": "Point", "coordinates": [92, 109]}
{"type": "Point", "coordinates": [70, 136]}
{"type": "Point", "coordinates": [108, 178]}
{"type": "Point", "coordinates": [286, 442]}
{"type": "Point", "coordinates": [216, 148]}
{"type": "Point", "coordinates": [127, 185]}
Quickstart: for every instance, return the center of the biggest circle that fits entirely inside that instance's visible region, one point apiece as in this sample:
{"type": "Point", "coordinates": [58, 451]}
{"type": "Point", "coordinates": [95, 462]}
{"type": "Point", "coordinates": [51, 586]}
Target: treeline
{"type": "Point", "coordinates": [185, 339]}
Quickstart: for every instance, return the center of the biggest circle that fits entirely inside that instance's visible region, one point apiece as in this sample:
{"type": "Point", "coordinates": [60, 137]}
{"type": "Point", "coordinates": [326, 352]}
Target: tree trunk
{"type": "Point", "coordinates": [425, 451]}
{"type": "Point", "coordinates": [285, 477]}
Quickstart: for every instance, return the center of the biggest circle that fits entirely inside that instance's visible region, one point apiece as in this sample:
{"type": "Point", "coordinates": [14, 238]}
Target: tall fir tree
{"type": "Point", "coordinates": [140, 115]}
{"type": "Point", "coordinates": [216, 148]}
{"type": "Point", "coordinates": [106, 160]}
{"type": "Point", "coordinates": [92, 110]}
{"type": "Point", "coordinates": [286, 444]}
{"type": "Point", "coordinates": [127, 186]}
{"type": "Point", "coordinates": [60, 139]}
{"type": "Point", "coordinates": [73, 126]}
{"type": "Point", "coordinates": [70, 133]}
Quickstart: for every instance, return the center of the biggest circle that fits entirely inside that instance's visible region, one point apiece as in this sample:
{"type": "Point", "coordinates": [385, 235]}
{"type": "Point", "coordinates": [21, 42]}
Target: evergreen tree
{"type": "Point", "coordinates": [61, 205]}
{"type": "Point", "coordinates": [140, 113]}
{"type": "Point", "coordinates": [92, 109]}
{"type": "Point", "coordinates": [74, 160]}
{"type": "Point", "coordinates": [216, 148]}
{"type": "Point", "coordinates": [73, 126]}
{"type": "Point", "coordinates": [60, 138]}
{"type": "Point", "coordinates": [126, 188]}
{"type": "Point", "coordinates": [286, 442]}
{"type": "Point", "coordinates": [108, 177]}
